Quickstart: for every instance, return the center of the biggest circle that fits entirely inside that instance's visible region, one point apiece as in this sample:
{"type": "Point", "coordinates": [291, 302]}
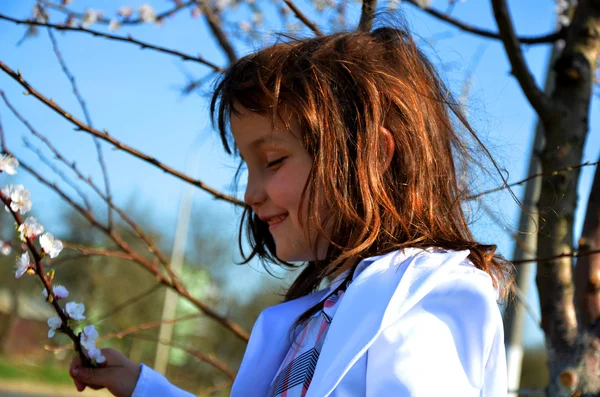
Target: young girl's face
{"type": "Point", "coordinates": [278, 168]}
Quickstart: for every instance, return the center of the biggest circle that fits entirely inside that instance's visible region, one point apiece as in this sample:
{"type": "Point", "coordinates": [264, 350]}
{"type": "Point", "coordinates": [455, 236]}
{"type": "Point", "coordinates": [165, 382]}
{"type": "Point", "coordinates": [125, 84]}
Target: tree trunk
{"type": "Point", "coordinates": [569, 347]}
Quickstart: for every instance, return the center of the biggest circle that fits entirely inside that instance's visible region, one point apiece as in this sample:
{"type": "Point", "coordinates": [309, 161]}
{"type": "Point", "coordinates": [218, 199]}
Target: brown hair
{"type": "Point", "coordinates": [343, 87]}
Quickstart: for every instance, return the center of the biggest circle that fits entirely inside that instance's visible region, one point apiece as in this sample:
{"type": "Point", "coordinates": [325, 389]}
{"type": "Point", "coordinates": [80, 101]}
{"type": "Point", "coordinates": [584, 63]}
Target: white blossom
{"type": "Point", "coordinates": [23, 262]}
{"type": "Point", "coordinates": [60, 292]}
{"type": "Point", "coordinates": [90, 17]}
{"type": "Point", "coordinates": [245, 26]}
{"type": "Point", "coordinates": [39, 15]}
{"type": "Point", "coordinates": [54, 323]}
{"type": "Point", "coordinates": [5, 248]}
{"type": "Point", "coordinates": [8, 164]}
{"type": "Point", "coordinates": [423, 3]}
{"type": "Point", "coordinates": [257, 18]}
{"type": "Point", "coordinates": [75, 310]}
{"type": "Point", "coordinates": [147, 13]}
{"type": "Point", "coordinates": [125, 12]}
{"type": "Point", "coordinates": [196, 12]}
{"type": "Point", "coordinates": [96, 355]}
{"type": "Point", "coordinates": [88, 337]}
{"type": "Point", "coordinates": [114, 25]}
{"type": "Point", "coordinates": [30, 228]}
{"type": "Point", "coordinates": [50, 245]}
{"type": "Point", "coordinates": [20, 198]}
{"type": "Point", "coordinates": [222, 4]}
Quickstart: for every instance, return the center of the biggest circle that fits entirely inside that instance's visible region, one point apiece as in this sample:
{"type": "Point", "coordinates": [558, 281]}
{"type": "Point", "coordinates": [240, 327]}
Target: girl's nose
{"type": "Point", "coordinates": [255, 194]}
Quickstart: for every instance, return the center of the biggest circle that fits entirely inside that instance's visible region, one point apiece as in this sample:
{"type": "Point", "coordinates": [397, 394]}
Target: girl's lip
{"type": "Point", "coordinates": [274, 225]}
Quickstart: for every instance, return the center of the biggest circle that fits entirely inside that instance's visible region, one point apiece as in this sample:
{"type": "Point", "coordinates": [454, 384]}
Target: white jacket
{"type": "Point", "coordinates": [418, 323]}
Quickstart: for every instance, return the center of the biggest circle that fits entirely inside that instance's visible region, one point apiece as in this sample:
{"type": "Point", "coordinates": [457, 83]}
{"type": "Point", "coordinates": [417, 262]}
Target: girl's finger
{"type": "Point", "coordinates": [80, 386]}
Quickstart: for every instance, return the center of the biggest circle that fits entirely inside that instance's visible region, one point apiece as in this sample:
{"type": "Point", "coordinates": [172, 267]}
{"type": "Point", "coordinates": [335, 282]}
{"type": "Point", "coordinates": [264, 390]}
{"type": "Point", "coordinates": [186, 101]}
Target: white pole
{"type": "Point", "coordinates": [161, 360]}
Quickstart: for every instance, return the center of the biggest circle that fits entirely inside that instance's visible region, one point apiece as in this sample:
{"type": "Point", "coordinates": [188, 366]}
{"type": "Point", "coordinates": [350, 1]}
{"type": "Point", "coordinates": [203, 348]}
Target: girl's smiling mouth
{"type": "Point", "coordinates": [276, 220]}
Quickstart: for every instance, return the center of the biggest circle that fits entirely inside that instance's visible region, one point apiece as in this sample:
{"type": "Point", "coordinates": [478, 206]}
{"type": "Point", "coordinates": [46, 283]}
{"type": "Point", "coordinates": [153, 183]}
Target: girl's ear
{"type": "Point", "coordinates": [388, 148]}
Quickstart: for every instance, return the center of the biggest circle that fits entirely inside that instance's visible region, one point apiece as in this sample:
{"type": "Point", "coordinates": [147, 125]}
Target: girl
{"type": "Point", "coordinates": [354, 158]}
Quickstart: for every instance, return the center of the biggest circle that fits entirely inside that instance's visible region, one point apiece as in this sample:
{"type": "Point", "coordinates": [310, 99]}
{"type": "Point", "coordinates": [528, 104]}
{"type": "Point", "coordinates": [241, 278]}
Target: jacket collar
{"type": "Point", "coordinates": [377, 297]}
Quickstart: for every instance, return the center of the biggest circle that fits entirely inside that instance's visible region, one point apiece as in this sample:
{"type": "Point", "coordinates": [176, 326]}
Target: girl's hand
{"type": "Point", "coordinates": [118, 374]}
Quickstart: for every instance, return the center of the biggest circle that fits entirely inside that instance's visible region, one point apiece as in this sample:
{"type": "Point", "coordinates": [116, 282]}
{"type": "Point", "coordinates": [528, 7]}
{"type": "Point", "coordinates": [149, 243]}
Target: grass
{"type": "Point", "coordinates": [45, 372]}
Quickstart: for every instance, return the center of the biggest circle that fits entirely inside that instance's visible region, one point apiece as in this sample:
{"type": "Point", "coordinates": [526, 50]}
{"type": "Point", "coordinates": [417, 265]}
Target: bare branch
{"type": "Point", "coordinates": [148, 265]}
{"type": "Point", "coordinates": [126, 303]}
{"type": "Point", "coordinates": [58, 172]}
{"type": "Point", "coordinates": [539, 174]}
{"type": "Point", "coordinates": [574, 254]}
{"type": "Point", "coordinates": [303, 18]}
{"type": "Point", "coordinates": [105, 136]}
{"type": "Point", "coordinates": [544, 39]}
{"type": "Point", "coordinates": [128, 39]}
{"type": "Point", "coordinates": [207, 358]}
{"type": "Point", "coordinates": [87, 251]}
{"type": "Point", "coordinates": [540, 101]}
{"type": "Point", "coordinates": [88, 120]}
{"type": "Point", "coordinates": [537, 98]}
{"type": "Point", "coordinates": [214, 23]}
{"type": "Point", "coordinates": [138, 230]}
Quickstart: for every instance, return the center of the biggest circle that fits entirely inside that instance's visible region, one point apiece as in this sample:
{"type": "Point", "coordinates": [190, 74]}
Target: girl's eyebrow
{"type": "Point", "coordinates": [263, 140]}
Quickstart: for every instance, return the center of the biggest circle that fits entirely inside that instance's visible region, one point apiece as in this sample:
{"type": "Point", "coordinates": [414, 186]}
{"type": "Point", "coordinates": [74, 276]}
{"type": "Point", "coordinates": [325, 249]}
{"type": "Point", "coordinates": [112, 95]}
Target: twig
{"type": "Point", "coordinates": [87, 251]}
{"type": "Point", "coordinates": [128, 39]}
{"type": "Point", "coordinates": [58, 172]}
{"type": "Point", "coordinates": [303, 18]}
{"type": "Point", "coordinates": [209, 359]}
{"type": "Point", "coordinates": [147, 326]}
{"type": "Point", "coordinates": [88, 120]}
{"type": "Point", "coordinates": [47, 281]}
{"type": "Point", "coordinates": [148, 265]}
{"type": "Point", "coordinates": [544, 39]}
{"type": "Point", "coordinates": [105, 136]}
{"type": "Point", "coordinates": [127, 303]}
{"type": "Point", "coordinates": [214, 24]}
{"type": "Point", "coordinates": [573, 254]}
{"type": "Point", "coordinates": [136, 228]}
{"type": "Point", "coordinates": [539, 174]}
{"type": "Point", "coordinates": [537, 98]}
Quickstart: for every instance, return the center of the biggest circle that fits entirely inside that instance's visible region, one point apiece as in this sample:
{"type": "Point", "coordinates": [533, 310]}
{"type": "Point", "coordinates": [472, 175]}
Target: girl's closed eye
{"type": "Point", "coordinates": [273, 163]}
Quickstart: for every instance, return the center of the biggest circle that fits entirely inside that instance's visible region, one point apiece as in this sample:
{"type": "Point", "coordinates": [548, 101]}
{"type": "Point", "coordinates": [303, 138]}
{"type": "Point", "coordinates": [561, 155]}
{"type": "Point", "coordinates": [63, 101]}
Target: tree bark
{"type": "Point", "coordinates": [566, 126]}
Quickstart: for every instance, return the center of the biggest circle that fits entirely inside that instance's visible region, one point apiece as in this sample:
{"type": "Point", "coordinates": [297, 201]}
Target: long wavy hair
{"type": "Point", "coordinates": [342, 88]}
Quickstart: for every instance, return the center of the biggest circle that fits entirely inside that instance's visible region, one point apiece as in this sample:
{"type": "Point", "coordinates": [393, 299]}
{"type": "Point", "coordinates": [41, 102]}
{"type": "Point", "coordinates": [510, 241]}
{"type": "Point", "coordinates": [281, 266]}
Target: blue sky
{"type": "Point", "coordinates": [135, 95]}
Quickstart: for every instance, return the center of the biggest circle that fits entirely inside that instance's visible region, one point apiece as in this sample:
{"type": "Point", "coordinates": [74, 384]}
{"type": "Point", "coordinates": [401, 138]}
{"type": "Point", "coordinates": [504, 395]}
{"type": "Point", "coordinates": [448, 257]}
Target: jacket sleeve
{"type": "Point", "coordinates": [450, 343]}
{"type": "Point", "coordinates": [152, 384]}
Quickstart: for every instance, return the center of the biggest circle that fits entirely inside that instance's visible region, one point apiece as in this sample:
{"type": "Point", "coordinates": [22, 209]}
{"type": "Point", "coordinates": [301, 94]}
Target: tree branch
{"type": "Point", "coordinates": [214, 23]}
{"type": "Point", "coordinates": [88, 120]}
{"type": "Point", "coordinates": [148, 265]}
{"type": "Point", "coordinates": [530, 177]}
{"type": "Point", "coordinates": [544, 39]}
{"type": "Point", "coordinates": [128, 39]}
{"type": "Point", "coordinates": [540, 102]}
{"type": "Point", "coordinates": [105, 136]}
{"type": "Point", "coordinates": [366, 15]}
{"type": "Point", "coordinates": [303, 18]}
